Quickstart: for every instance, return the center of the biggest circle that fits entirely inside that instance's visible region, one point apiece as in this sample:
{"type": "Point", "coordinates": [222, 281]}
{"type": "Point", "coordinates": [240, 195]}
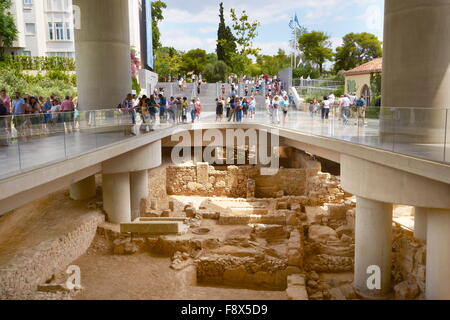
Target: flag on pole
{"type": "Point", "coordinates": [297, 21]}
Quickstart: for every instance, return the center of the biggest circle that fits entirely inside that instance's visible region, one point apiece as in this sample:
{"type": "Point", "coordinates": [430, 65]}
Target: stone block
{"type": "Point", "coordinates": [321, 233]}
{"type": "Point", "coordinates": [297, 293]}
{"type": "Point", "coordinates": [154, 227]}
{"type": "Point", "coordinates": [202, 172]}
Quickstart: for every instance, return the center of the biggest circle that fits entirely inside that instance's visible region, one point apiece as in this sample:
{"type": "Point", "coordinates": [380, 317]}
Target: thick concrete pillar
{"type": "Point", "coordinates": [438, 255]}
{"type": "Point", "coordinates": [420, 223]}
{"type": "Point", "coordinates": [102, 46]}
{"type": "Point", "coordinates": [139, 191]}
{"type": "Point", "coordinates": [116, 197]}
{"type": "Point", "coordinates": [415, 76]}
{"type": "Point", "coordinates": [84, 189]}
{"type": "Point", "coordinates": [373, 246]}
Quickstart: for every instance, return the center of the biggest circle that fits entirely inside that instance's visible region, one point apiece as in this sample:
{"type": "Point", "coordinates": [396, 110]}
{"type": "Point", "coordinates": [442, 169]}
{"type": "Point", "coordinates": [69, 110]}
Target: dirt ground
{"type": "Point", "coordinates": [146, 277]}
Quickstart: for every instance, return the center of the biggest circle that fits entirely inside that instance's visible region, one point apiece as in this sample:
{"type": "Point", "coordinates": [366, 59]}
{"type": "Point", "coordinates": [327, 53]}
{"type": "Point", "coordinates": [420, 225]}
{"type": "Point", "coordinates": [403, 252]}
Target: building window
{"type": "Point", "coordinates": [26, 53]}
{"type": "Point", "coordinates": [68, 32]}
{"type": "Point", "coordinates": [59, 31]}
{"type": "Point", "coordinates": [27, 3]}
{"type": "Point", "coordinates": [30, 29]}
{"type": "Point", "coordinates": [51, 32]}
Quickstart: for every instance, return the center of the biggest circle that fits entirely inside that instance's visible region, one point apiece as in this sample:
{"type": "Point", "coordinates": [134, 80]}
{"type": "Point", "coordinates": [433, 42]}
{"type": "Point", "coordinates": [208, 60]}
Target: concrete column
{"type": "Point", "coordinates": [84, 189]}
{"type": "Point", "coordinates": [116, 197]}
{"type": "Point", "coordinates": [139, 191]}
{"type": "Point", "coordinates": [373, 231]}
{"type": "Point", "coordinates": [420, 223]}
{"type": "Point", "coordinates": [102, 46]}
{"type": "Point", "coordinates": [415, 76]}
{"type": "Point", "coordinates": [438, 255]}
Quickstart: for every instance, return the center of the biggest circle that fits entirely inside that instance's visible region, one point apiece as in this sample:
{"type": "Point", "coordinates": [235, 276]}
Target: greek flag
{"type": "Point", "coordinates": [291, 24]}
{"type": "Point", "coordinates": [296, 21]}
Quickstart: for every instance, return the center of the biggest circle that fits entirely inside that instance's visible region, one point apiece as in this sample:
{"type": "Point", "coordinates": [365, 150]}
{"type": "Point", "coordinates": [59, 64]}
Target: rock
{"type": "Point", "coordinates": [336, 294]}
{"type": "Point", "coordinates": [290, 270]}
{"type": "Point", "coordinates": [296, 280]}
{"type": "Point", "coordinates": [344, 230]}
{"type": "Point", "coordinates": [314, 215]}
{"type": "Point", "coordinates": [172, 205]}
{"type": "Point", "coordinates": [282, 206]}
{"type": "Point", "coordinates": [165, 213]}
{"type": "Point", "coordinates": [297, 293]}
{"type": "Point", "coordinates": [321, 233]}
{"type": "Point", "coordinates": [131, 248]}
{"type": "Point", "coordinates": [316, 296]}
{"type": "Point", "coordinates": [406, 290]}
{"type": "Point", "coordinates": [190, 212]}
{"type": "Point", "coordinates": [314, 276]}
{"type": "Point", "coordinates": [348, 291]}
{"type": "Point", "coordinates": [312, 284]}
{"type": "Point", "coordinates": [53, 288]}
{"type": "Point", "coordinates": [346, 239]}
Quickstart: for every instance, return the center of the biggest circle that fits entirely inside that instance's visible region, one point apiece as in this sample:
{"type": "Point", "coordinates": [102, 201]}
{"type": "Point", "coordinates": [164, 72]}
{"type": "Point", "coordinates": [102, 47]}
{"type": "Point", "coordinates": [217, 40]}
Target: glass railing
{"type": "Point", "coordinates": [28, 142]}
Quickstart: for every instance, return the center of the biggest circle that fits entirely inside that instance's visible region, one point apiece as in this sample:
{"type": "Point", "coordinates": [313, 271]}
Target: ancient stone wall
{"type": "Point", "coordinates": [409, 259]}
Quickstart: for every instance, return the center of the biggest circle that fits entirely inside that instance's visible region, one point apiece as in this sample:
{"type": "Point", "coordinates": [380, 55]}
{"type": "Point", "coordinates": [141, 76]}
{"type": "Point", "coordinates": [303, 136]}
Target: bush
{"type": "Point", "coordinates": [215, 72]}
{"type": "Point", "coordinates": [60, 84]}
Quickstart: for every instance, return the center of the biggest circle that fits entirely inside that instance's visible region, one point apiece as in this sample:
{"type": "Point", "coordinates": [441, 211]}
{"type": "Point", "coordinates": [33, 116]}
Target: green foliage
{"type": "Point", "coordinates": [316, 48]}
{"type": "Point", "coordinates": [217, 71]}
{"type": "Point", "coordinates": [245, 32]}
{"type": "Point", "coordinates": [358, 48]}
{"type": "Point", "coordinates": [157, 17]}
{"type": "Point", "coordinates": [305, 72]}
{"type": "Point", "coordinates": [167, 62]}
{"type": "Point", "coordinates": [375, 84]}
{"type": "Point", "coordinates": [226, 42]}
{"type": "Point", "coordinates": [211, 58]}
{"type": "Point", "coordinates": [194, 61]}
{"type": "Point", "coordinates": [351, 86]}
{"type": "Point", "coordinates": [39, 85]}
{"type": "Point", "coordinates": [272, 65]}
{"type": "Point", "coordinates": [8, 29]}
{"type": "Point", "coordinates": [38, 63]}
{"type": "Point", "coordinates": [135, 85]}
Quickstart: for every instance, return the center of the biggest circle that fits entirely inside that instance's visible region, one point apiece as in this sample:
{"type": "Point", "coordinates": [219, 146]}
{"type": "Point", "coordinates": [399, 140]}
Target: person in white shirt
{"type": "Point", "coordinates": [345, 104]}
{"type": "Point", "coordinates": [325, 108]}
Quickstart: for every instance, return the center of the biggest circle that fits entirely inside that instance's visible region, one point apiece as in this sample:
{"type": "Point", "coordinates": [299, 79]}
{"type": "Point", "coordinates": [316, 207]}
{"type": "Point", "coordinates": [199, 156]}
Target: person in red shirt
{"type": "Point", "coordinates": [68, 107]}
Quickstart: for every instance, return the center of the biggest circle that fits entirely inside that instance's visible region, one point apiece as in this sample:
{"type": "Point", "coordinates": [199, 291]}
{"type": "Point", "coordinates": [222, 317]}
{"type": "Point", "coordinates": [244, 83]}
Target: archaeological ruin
{"type": "Point", "coordinates": [204, 232]}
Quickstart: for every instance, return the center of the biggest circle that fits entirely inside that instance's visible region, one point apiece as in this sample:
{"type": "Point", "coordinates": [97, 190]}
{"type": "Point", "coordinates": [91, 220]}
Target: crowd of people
{"type": "Point", "coordinates": [28, 113]}
{"type": "Point", "coordinates": [172, 110]}
{"type": "Point", "coordinates": [348, 106]}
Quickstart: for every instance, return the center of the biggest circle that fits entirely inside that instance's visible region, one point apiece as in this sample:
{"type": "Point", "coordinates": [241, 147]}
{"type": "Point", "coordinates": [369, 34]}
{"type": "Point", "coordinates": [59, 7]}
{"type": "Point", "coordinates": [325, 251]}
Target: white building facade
{"type": "Point", "coordinates": [46, 27]}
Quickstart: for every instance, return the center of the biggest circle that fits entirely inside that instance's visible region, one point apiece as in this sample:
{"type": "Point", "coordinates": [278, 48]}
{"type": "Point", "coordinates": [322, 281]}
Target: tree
{"type": "Point", "coordinates": [217, 71]}
{"type": "Point", "coordinates": [212, 58]}
{"type": "Point", "coordinates": [194, 61]}
{"type": "Point", "coordinates": [226, 42]}
{"type": "Point", "coordinates": [157, 17]}
{"type": "Point", "coordinates": [358, 48]}
{"type": "Point", "coordinates": [167, 62]}
{"type": "Point", "coordinates": [316, 48]}
{"type": "Point", "coordinates": [272, 65]}
{"type": "Point", "coordinates": [8, 29]}
{"type": "Point", "coordinates": [245, 33]}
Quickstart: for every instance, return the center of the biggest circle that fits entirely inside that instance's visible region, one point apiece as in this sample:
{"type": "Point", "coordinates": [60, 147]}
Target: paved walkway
{"type": "Point", "coordinates": [24, 155]}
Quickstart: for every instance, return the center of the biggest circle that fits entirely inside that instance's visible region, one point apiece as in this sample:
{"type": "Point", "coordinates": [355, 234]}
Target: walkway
{"type": "Point", "coordinates": [25, 155]}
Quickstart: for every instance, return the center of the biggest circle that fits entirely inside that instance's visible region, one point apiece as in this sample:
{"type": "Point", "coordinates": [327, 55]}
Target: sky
{"type": "Point", "coordinates": [191, 24]}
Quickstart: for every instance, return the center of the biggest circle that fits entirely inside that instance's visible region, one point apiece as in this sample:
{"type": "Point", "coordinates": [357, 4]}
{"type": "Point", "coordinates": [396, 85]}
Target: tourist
{"type": "Point", "coordinates": [6, 101]}
{"type": "Point", "coordinates": [143, 110]}
{"type": "Point", "coordinates": [219, 109]}
{"type": "Point", "coordinates": [67, 107]}
{"type": "Point", "coordinates": [153, 108]}
{"type": "Point", "coordinates": [232, 115]}
{"type": "Point", "coordinates": [275, 110]}
{"type": "Point", "coordinates": [128, 106]}
{"type": "Point", "coordinates": [284, 104]}
{"type": "Point", "coordinates": [199, 86]}
{"type": "Point", "coordinates": [252, 107]}
{"type": "Point", "coordinates": [18, 110]}
{"type": "Point", "coordinates": [179, 110]}
{"type": "Point", "coordinates": [180, 83]}
{"type": "Point", "coordinates": [344, 104]}
{"type": "Point", "coordinates": [238, 109]}
{"type": "Point", "coordinates": [223, 90]}
{"type": "Point", "coordinates": [47, 110]}
{"type": "Point", "coordinates": [162, 108]}
{"type": "Point", "coordinates": [326, 103]}
{"type": "Point", "coordinates": [312, 107]}
{"type": "Point", "coordinates": [4, 113]}
{"type": "Point", "coordinates": [171, 108]}
{"type": "Point", "coordinates": [245, 108]}
{"type": "Point", "coordinates": [228, 106]}
{"type": "Point", "coordinates": [361, 106]}
{"type": "Point", "coordinates": [198, 108]}
{"type": "Point", "coordinates": [192, 110]}
{"type": "Point", "coordinates": [184, 110]}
